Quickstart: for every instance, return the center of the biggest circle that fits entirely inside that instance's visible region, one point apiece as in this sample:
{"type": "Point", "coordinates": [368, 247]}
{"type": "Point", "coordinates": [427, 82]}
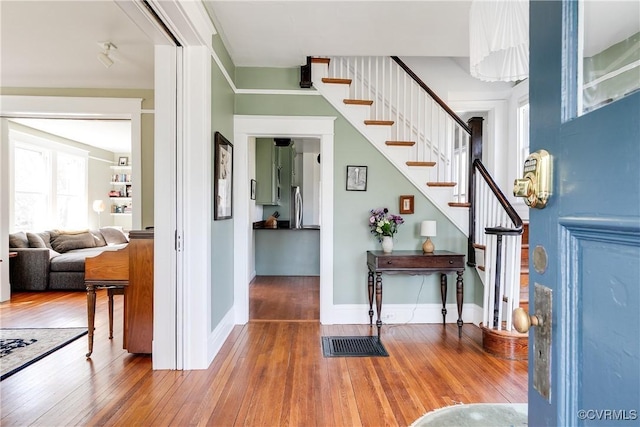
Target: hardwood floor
{"type": "Point", "coordinates": [266, 374]}
{"type": "Point", "coordinates": [277, 298]}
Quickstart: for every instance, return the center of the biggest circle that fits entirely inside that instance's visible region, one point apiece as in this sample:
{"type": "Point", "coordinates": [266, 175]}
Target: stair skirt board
{"type": "Point", "coordinates": [505, 344]}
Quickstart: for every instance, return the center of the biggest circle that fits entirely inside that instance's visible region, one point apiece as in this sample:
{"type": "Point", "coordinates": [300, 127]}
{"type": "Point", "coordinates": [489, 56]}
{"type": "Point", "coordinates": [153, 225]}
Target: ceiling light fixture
{"type": "Point", "coordinates": [103, 56]}
{"type": "Point", "coordinates": [499, 40]}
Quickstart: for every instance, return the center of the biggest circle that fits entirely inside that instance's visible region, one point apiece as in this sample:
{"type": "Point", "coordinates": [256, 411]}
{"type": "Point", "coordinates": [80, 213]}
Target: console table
{"type": "Point", "coordinates": [415, 262]}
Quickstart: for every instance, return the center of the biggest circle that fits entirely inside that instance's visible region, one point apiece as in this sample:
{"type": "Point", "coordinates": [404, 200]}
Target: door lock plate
{"type": "Point", "coordinates": [542, 298]}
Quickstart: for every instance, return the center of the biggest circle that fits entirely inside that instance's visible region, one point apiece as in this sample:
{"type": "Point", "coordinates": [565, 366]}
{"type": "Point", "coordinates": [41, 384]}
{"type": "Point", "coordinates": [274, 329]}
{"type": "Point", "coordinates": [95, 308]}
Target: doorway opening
{"type": "Point", "coordinates": [247, 130]}
{"type": "Point", "coordinates": [286, 230]}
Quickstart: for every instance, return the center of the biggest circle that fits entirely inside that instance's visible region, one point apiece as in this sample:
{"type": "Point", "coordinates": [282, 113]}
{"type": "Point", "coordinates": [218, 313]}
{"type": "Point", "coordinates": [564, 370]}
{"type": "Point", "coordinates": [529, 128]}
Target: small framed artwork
{"type": "Point", "coordinates": [406, 204]}
{"type": "Point", "coordinates": [253, 189]}
{"type": "Point", "coordinates": [123, 161]}
{"type": "Point", "coordinates": [356, 178]}
{"type": "Point", "coordinates": [223, 177]}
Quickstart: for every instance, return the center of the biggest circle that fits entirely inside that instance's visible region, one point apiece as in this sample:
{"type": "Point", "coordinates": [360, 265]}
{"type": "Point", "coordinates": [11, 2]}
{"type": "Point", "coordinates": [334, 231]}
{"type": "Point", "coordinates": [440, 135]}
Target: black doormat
{"type": "Point", "coordinates": [353, 347]}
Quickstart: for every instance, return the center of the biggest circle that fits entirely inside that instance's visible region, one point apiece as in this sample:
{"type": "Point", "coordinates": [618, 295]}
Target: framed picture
{"type": "Point", "coordinates": [356, 178]}
{"type": "Point", "coordinates": [223, 177]}
{"type": "Point", "coordinates": [123, 161]}
{"type": "Point", "coordinates": [406, 204]}
{"type": "Point", "coordinates": [253, 189]}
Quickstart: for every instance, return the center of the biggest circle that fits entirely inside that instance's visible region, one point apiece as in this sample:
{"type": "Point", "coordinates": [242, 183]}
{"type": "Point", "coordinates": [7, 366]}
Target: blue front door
{"type": "Point", "coordinates": [590, 231]}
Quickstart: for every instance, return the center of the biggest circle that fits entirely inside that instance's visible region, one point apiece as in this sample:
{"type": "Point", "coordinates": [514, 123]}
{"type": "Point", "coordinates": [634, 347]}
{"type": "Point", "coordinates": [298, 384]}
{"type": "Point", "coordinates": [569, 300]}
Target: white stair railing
{"type": "Point", "coordinates": [499, 232]}
{"type": "Point", "coordinates": [418, 116]}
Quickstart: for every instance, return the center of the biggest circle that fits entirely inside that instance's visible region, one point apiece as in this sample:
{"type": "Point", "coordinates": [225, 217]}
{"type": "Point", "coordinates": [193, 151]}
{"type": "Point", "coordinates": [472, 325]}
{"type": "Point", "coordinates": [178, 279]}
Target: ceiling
{"type": "Point", "coordinates": [284, 33]}
{"type": "Point", "coordinates": [45, 43]}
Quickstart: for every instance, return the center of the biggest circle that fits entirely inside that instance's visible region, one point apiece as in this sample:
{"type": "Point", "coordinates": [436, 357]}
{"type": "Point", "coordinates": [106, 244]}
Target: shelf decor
{"type": "Point", "coordinates": [223, 178]}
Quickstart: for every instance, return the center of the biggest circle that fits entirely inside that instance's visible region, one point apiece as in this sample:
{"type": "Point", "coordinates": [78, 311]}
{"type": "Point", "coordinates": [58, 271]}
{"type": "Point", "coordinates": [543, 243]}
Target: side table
{"type": "Point", "coordinates": [414, 262]}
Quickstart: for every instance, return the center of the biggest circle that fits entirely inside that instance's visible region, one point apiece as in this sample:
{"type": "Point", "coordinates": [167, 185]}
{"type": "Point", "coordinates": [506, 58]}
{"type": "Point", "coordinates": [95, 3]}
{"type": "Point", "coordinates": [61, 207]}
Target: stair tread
{"type": "Point", "coordinates": [400, 143]}
{"type": "Point", "coordinates": [459, 204]}
{"type": "Point", "coordinates": [379, 122]}
{"type": "Point", "coordinates": [320, 60]}
{"type": "Point", "coordinates": [442, 184]}
{"type": "Point", "coordinates": [358, 101]}
{"type": "Point", "coordinates": [336, 81]}
{"type": "Point", "coordinates": [426, 164]}
{"type": "Point", "coordinates": [479, 246]}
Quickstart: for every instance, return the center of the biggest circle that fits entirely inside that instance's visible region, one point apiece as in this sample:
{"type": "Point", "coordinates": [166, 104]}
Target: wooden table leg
{"type": "Point", "coordinates": [110, 292]}
{"type": "Point", "coordinates": [91, 314]}
{"type": "Point", "coordinates": [443, 293]}
{"type": "Point", "coordinates": [370, 288]}
{"type": "Point", "coordinates": [459, 291]}
{"type": "Point", "coordinates": [379, 300]}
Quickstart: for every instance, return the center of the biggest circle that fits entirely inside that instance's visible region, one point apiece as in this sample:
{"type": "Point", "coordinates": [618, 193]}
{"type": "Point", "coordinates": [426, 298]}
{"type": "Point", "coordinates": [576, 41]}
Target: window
{"type": "Point", "coordinates": [49, 184]}
{"type": "Point", "coordinates": [608, 52]}
{"type": "Point", "coordinates": [523, 135]}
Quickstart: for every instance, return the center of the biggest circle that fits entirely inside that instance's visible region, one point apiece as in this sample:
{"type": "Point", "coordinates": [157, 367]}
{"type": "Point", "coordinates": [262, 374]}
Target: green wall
{"type": "Point", "coordinates": [222, 287]}
{"type": "Point", "coordinates": [351, 209]}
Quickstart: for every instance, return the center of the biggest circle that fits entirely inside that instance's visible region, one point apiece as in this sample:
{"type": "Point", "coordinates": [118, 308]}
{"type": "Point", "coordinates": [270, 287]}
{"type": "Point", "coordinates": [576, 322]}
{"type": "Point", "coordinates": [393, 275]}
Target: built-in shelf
{"type": "Point", "coordinates": [121, 214]}
{"type": "Point", "coordinates": [121, 167]}
{"type": "Point", "coordinates": [124, 199]}
{"type": "Point", "coordinates": [120, 182]}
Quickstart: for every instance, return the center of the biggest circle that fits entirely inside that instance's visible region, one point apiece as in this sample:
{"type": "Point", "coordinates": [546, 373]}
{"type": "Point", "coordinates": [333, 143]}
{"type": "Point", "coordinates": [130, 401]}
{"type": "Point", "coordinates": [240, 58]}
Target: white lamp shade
{"type": "Point", "coordinates": [428, 229]}
{"type": "Point", "coordinates": [98, 206]}
{"type": "Point", "coordinates": [499, 40]}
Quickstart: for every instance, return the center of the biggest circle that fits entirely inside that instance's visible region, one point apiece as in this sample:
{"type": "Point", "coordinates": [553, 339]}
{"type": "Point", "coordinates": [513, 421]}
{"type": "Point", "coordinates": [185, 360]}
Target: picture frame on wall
{"type": "Point", "coordinates": [253, 189]}
{"type": "Point", "coordinates": [356, 178]}
{"type": "Point", "coordinates": [406, 204]}
{"type": "Point", "coordinates": [123, 161]}
{"type": "Point", "coordinates": [223, 177]}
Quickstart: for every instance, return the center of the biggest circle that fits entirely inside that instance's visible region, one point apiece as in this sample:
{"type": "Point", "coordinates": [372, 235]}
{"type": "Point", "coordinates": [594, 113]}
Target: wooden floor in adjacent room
{"type": "Point", "coordinates": [268, 373]}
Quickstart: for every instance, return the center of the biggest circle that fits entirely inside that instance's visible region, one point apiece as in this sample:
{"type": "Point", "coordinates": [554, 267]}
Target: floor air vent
{"type": "Point", "coordinates": [352, 347]}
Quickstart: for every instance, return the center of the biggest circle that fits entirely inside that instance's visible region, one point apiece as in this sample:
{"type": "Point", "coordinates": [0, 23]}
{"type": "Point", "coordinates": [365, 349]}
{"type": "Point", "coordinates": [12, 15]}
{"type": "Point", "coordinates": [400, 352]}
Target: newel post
{"type": "Point", "coordinates": [475, 152]}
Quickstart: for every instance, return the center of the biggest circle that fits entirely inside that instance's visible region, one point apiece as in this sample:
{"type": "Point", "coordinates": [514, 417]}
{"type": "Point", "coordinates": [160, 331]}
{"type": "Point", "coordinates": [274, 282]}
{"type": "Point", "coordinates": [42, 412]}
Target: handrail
{"type": "Point", "coordinates": [511, 212]}
{"type": "Point", "coordinates": [431, 93]}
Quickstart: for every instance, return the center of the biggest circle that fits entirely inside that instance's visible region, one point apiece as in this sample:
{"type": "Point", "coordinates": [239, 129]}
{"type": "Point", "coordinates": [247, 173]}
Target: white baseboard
{"type": "Point", "coordinates": [219, 335]}
{"type": "Point", "coordinates": [343, 314]}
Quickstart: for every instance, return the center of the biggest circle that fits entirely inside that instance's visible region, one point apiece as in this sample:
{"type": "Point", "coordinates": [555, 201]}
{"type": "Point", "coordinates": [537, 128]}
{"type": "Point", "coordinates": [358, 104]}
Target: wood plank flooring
{"type": "Point", "coordinates": [268, 373]}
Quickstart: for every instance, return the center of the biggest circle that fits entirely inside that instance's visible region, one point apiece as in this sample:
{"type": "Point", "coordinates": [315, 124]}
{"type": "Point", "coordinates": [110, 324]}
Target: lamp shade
{"type": "Point", "coordinates": [499, 40]}
{"type": "Point", "coordinates": [428, 229]}
{"type": "Point", "coordinates": [98, 206]}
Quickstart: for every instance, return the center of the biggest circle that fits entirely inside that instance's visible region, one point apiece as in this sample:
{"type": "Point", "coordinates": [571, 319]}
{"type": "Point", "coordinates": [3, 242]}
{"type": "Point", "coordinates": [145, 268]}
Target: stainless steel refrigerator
{"type": "Point", "coordinates": [295, 219]}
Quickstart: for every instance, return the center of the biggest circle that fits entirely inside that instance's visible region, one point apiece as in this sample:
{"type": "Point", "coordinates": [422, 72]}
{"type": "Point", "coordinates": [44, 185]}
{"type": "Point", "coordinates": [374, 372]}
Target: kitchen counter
{"type": "Point", "coordinates": [287, 251]}
{"type": "Point", "coordinates": [283, 225]}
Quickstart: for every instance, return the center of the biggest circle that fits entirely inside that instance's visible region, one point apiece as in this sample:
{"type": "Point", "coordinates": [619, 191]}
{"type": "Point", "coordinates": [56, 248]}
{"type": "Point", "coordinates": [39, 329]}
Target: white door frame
{"type": "Point", "coordinates": [246, 127]}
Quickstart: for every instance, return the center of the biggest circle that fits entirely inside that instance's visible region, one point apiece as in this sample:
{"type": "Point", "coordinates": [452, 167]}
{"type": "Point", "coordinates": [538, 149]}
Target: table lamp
{"type": "Point", "coordinates": [98, 207]}
{"type": "Point", "coordinates": [428, 230]}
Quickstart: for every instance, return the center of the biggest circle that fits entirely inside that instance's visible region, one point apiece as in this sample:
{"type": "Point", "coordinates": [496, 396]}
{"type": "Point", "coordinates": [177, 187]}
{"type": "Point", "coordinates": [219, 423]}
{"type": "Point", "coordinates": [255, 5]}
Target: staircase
{"type": "Point", "coordinates": [441, 156]}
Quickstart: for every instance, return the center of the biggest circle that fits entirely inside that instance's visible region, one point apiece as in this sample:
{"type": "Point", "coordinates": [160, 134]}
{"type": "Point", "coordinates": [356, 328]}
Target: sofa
{"type": "Point", "coordinates": [54, 259]}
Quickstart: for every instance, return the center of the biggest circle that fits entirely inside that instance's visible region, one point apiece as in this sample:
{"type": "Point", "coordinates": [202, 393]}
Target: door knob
{"type": "Point", "coordinates": [522, 321]}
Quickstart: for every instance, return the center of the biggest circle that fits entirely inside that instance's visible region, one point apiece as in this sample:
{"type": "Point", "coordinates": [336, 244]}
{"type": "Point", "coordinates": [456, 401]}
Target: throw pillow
{"type": "Point", "coordinates": [113, 235]}
{"type": "Point", "coordinates": [35, 241]}
{"type": "Point", "coordinates": [98, 237]}
{"type": "Point", "coordinates": [66, 241]}
{"type": "Point", "coordinates": [46, 237]}
{"type": "Point", "coordinates": [18, 240]}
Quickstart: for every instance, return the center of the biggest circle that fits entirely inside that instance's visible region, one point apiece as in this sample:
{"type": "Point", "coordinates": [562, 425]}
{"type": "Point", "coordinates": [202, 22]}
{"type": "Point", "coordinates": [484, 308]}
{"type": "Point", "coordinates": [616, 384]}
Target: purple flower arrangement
{"type": "Point", "coordinates": [382, 223]}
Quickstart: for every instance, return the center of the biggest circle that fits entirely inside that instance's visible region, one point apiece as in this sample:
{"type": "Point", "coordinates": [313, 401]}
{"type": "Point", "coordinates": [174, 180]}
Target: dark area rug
{"type": "Point", "coordinates": [22, 347]}
{"type": "Point", "coordinates": [353, 347]}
